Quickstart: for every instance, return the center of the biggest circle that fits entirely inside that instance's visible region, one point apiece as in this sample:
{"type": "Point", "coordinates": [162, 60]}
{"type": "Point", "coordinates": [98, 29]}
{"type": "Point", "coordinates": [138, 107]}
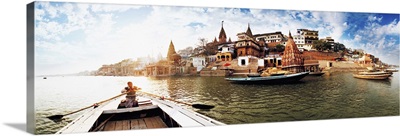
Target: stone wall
{"type": "Point", "coordinates": [316, 55]}
{"type": "Point", "coordinates": [213, 73]}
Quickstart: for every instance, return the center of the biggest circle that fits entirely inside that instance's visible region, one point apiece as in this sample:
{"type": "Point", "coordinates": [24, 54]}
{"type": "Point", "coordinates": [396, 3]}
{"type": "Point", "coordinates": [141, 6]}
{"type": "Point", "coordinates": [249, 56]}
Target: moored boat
{"type": "Point", "coordinates": [316, 73]}
{"type": "Point", "coordinates": [254, 75]}
{"type": "Point", "coordinates": [151, 113]}
{"type": "Point", "coordinates": [268, 79]}
{"type": "Point", "coordinates": [391, 70]}
{"type": "Point", "coordinates": [373, 75]}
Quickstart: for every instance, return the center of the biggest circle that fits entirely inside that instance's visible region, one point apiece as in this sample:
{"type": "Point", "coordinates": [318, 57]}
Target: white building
{"type": "Point", "coordinates": [226, 48]}
{"type": "Point", "coordinates": [270, 37]}
{"type": "Point", "coordinates": [301, 43]}
{"type": "Point", "coordinates": [199, 62]}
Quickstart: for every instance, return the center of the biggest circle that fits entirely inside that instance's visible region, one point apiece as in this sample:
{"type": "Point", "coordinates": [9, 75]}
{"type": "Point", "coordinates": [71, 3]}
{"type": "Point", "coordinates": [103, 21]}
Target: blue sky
{"type": "Point", "coordinates": [73, 37]}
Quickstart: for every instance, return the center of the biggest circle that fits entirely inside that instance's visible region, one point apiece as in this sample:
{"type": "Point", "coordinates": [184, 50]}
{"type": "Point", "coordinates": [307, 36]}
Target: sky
{"type": "Point", "coordinates": [74, 37]}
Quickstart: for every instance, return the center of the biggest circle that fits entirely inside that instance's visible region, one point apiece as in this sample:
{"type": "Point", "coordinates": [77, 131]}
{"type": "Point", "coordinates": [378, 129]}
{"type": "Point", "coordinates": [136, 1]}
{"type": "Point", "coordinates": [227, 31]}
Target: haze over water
{"type": "Point", "coordinates": [333, 96]}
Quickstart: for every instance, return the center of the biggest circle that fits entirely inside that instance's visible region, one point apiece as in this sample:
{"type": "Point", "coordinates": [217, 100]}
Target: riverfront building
{"type": "Point", "coordinates": [300, 41]}
{"type": "Point", "coordinates": [270, 37]}
{"type": "Point", "coordinates": [309, 37]}
{"type": "Point", "coordinates": [247, 48]}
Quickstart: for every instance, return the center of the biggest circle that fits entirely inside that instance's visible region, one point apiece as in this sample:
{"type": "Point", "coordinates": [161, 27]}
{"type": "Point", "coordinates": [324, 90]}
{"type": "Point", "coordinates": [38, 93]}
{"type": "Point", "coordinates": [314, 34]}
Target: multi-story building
{"type": "Point", "coordinates": [270, 37]}
{"type": "Point", "coordinates": [300, 41]}
{"type": "Point", "coordinates": [309, 36]}
{"type": "Point", "coordinates": [330, 41]}
{"type": "Point", "coordinates": [247, 47]}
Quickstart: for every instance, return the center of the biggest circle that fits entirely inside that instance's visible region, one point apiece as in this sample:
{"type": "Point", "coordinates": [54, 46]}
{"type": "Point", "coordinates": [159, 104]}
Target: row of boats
{"type": "Point", "coordinates": [279, 77]}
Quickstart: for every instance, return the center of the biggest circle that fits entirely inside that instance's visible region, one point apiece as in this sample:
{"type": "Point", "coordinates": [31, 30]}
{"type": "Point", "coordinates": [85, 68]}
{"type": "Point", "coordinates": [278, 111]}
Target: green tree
{"type": "Point", "coordinates": [339, 47]}
{"type": "Point", "coordinates": [279, 48]}
{"type": "Point", "coordinates": [319, 45]}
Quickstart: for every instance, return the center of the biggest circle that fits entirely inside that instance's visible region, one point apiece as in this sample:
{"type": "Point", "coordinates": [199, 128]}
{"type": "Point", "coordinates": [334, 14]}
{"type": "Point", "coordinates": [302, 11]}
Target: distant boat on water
{"type": "Point", "coordinates": [391, 70]}
{"type": "Point", "coordinates": [378, 75]}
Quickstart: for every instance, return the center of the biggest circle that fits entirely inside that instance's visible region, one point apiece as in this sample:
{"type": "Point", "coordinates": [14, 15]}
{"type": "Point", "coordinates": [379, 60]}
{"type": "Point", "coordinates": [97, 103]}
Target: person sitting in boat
{"type": "Point", "coordinates": [130, 99]}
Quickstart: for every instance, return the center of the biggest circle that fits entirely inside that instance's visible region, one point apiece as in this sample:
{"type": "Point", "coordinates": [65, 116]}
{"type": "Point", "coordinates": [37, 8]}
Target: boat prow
{"type": "Point", "coordinates": [151, 113]}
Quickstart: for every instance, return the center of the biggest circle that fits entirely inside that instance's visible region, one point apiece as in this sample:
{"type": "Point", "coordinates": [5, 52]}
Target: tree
{"type": "Point", "coordinates": [339, 47]}
{"type": "Point", "coordinates": [206, 48]}
{"type": "Point", "coordinates": [280, 48]}
{"type": "Point", "coordinates": [320, 45]}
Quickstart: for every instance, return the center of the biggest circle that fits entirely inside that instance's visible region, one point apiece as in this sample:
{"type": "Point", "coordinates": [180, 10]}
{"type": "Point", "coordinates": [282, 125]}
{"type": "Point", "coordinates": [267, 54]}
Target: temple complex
{"type": "Point", "coordinates": [172, 66]}
{"type": "Point", "coordinates": [225, 48]}
{"type": "Point", "coordinates": [172, 56]}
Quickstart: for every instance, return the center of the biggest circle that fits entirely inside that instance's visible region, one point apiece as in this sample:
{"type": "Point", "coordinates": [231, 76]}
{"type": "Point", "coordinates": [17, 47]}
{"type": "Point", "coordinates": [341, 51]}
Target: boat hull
{"type": "Point", "coordinates": [377, 75]}
{"type": "Point", "coordinates": [372, 77]}
{"type": "Point", "coordinates": [269, 80]}
{"type": "Point", "coordinates": [151, 113]}
{"type": "Point", "coordinates": [316, 73]}
{"type": "Point", "coordinates": [254, 75]}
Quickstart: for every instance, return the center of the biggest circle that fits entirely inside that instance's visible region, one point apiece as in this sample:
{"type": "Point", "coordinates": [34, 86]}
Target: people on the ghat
{"type": "Point", "coordinates": [130, 100]}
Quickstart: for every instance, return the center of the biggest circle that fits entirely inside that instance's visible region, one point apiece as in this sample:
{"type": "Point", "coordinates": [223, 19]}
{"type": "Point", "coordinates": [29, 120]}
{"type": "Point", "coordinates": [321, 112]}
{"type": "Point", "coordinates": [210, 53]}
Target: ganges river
{"type": "Point", "coordinates": [331, 96]}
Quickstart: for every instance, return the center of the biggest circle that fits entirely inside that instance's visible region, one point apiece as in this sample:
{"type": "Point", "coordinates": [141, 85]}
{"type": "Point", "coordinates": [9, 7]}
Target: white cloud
{"type": "Point", "coordinates": [374, 18]}
{"type": "Point", "coordinates": [373, 39]}
{"type": "Point", "coordinates": [49, 30]}
{"type": "Point", "coordinates": [357, 38]}
{"type": "Point", "coordinates": [113, 7]}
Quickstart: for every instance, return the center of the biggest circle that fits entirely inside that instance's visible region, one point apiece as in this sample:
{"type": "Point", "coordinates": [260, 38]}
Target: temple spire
{"type": "Point", "coordinates": [222, 34]}
{"type": "Point", "coordinates": [248, 32]}
{"type": "Point", "coordinates": [171, 51]}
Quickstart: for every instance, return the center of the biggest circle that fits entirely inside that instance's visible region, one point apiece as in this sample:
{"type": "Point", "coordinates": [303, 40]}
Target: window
{"type": "Point", "coordinates": [243, 62]}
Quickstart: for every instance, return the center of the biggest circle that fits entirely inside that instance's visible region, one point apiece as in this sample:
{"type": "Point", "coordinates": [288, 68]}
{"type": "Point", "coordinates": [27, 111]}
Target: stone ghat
{"type": "Point", "coordinates": [213, 73]}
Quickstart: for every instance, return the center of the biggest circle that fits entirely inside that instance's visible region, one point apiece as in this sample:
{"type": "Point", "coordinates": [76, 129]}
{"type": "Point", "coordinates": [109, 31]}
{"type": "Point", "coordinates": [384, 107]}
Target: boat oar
{"type": "Point", "coordinates": [197, 106]}
{"type": "Point", "coordinates": [58, 117]}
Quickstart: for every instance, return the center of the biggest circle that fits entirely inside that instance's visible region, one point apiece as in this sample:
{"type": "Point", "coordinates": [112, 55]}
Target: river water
{"type": "Point", "coordinates": [331, 96]}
